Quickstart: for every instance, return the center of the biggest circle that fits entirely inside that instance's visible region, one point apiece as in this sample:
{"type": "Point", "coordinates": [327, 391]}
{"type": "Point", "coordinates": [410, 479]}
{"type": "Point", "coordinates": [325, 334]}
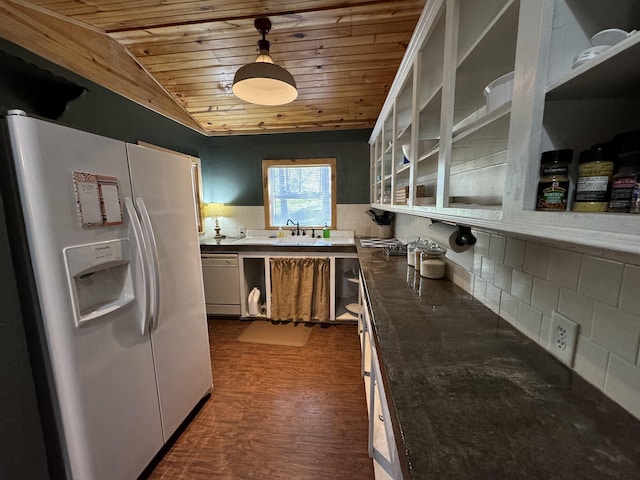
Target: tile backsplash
{"type": "Point", "coordinates": [526, 280]}
{"type": "Point", "coordinates": [350, 217]}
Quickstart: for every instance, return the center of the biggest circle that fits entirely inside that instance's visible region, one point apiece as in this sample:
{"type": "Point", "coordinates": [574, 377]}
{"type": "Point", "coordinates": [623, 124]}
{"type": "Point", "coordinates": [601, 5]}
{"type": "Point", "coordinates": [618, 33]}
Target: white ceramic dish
{"type": "Point", "coordinates": [588, 55]}
{"type": "Point", "coordinates": [406, 150]}
{"type": "Point", "coordinates": [609, 37]}
{"type": "Point", "coordinates": [499, 91]}
{"type": "Point", "coordinates": [423, 147]}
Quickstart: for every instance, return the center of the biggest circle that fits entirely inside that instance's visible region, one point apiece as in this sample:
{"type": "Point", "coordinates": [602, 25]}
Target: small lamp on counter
{"type": "Point", "coordinates": [215, 210]}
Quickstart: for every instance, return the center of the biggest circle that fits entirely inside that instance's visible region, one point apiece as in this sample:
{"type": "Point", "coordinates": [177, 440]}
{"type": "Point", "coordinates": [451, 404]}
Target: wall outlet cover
{"type": "Point", "coordinates": [563, 338]}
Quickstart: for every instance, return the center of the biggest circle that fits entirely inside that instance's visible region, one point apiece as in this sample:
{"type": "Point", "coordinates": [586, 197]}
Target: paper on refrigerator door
{"type": "Point", "coordinates": [97, 199]}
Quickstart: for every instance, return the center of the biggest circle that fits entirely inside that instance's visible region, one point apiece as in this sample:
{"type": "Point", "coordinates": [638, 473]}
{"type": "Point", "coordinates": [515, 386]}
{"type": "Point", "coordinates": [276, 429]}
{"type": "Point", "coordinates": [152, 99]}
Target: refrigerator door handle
{"type": "Point", "coordinates": [152, 249]}
{"type": "Point", "coordinates": [140, 250]}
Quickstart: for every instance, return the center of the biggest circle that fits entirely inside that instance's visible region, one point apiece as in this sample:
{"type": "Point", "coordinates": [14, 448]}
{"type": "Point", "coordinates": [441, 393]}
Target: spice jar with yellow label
{"type": "Point", "coordinates": [553, 187]}
{"type": "Point", "coordinates": [594, 179]}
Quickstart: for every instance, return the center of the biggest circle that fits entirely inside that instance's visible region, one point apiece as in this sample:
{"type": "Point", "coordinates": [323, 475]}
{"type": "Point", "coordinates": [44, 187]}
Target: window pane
{"type": "Point", "coordinates": [300, 193]}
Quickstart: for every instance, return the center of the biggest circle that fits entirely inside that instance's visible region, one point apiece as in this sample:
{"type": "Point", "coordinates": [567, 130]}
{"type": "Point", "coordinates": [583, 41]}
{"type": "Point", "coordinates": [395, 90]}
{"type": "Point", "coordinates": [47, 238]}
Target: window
{"type": "Point", "coordinates": [303, 191]}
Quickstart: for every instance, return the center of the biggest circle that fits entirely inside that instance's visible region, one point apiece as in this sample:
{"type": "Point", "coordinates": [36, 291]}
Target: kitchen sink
{"type": "Point", "coordinates": [256, 241]}
{"type": "Point", "coordinates": [263, 237]}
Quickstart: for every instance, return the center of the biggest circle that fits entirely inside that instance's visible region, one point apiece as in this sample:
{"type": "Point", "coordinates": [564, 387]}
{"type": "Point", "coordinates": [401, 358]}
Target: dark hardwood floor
{"type": "Point", "coordinates": [277, 412]}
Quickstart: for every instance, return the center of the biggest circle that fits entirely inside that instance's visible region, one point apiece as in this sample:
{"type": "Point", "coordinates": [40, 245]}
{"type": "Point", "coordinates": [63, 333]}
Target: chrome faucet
{"type": "Point", "coordinates": [297, 225]}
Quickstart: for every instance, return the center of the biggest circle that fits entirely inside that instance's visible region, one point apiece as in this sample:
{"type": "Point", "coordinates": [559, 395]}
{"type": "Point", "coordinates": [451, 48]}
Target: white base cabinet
{"type": "Point", "coordinates": [255, 271]}
{"type": "Point", "coordinates": [470, 163]}
{"type": "Point", "coordinates": [382, 444]}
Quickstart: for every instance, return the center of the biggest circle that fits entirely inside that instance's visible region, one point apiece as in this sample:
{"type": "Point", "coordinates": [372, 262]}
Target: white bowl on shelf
{"type": "Point", "coordinates": [406, 150]}
{"type": "Point", "coordinates": [609, 37]}
{"type": "Point", "coordinates": [423, 147]}
{"type": "Point", "coordinates": [499, 92]}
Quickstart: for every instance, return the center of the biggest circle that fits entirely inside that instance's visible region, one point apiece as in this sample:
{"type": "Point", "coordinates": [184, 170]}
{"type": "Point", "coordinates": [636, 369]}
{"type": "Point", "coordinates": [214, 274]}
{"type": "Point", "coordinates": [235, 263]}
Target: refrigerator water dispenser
{"type": "Point", "coordinates": [99, 277]}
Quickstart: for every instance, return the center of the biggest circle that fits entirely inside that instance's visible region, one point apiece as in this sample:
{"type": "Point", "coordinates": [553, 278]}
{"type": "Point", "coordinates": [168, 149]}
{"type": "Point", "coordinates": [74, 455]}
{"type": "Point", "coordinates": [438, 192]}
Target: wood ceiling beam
{"type": "Point", "coordinates": [107, 64]}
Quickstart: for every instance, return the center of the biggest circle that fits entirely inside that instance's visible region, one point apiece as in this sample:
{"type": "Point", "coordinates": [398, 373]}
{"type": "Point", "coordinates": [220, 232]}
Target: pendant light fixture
{"type": "Point", "coordinates": [263, 82]}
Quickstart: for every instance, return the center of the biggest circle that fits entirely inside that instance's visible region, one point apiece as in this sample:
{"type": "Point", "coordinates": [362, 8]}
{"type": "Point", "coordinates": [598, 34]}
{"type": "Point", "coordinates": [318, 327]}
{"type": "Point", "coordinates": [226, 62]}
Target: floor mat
{"type": "Point", "coordinates": [290, 334]}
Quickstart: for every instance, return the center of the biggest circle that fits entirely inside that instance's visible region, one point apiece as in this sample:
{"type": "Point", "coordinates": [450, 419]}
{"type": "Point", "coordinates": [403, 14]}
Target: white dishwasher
{"type": "Point", "coordinates": [221, 283]}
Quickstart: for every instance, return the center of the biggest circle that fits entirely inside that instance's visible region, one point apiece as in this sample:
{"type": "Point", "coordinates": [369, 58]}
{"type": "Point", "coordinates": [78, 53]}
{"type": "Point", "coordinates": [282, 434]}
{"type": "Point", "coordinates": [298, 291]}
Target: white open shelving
{"type": "Point", "coordinates": [480, 168]}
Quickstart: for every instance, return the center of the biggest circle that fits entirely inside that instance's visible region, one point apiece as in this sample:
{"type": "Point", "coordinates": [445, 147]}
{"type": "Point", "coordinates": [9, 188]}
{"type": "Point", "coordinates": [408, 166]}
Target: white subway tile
{"type": "Point", "coordinates": [503, 276]}
{"type": "Point", "coordinates": [479, 289]}
{"type": "Point", "coordinates": [577, 308]}
{"type": "Point", "coordinates": [622, 257]}
{"type": "Point", "coordinates": [622, 384]}
{"type": "Point", "coordinates": [521, 285]}
{"type": "Point", "coordinates": [530, 322]}
{"type": "Point", "coordinates": [591, 361]}
{"type": "Point", "coordinates": [497, 247]}
{"type": "Point", "coordinates": [601, 279]}
{"type": "Point", "coordinates": [545, 330]}
{"type": "Point", "coordinates": [488, 269]}
{"type": "Point", "coordinates": [536, 260]}
{"type": "Point", "coordinates": [630, 293]}
{"type": "Point", "coordinates": [482, 243]}
{"type": "Point", "coordinates": [509, 306]}
{"type": "Point", "coordinates": [544, 296]}
{"type": "Point", "coordinates": [460, 276]}
{"type": "Point", "coordinates": [464, 259]}
{"type": "Point", "coordinates": [514, 252]}
{"type": "Point", "coordinates": [477, 264]}
{"type": "Point", "coordinates": [617, 331]}
{"type": "Point", "coordinates": [492, 298]}
{"type": "Point", "coordinates": [564, 268]}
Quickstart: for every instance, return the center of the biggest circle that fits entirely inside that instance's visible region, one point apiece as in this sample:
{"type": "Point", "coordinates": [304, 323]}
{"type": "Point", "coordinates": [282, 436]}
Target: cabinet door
{"type": "Point", "coordinates": [382, 447]}
{"type": "Point", "coordinates": [365, 342]}
{"type": "Point", "coordinates": [382, 442]}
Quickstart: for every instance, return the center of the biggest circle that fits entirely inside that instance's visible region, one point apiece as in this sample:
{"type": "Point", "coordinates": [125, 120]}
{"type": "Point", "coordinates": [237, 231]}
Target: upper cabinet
{"type": "Point", "coordinates": [484, 89]}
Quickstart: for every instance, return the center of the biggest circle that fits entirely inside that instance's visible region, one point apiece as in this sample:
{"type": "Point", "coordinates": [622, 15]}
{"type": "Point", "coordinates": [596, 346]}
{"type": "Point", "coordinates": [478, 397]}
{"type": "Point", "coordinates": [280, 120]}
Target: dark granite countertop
{"type": "Point", "coordinates": [472, 398]}
{"type": "Point", "coordinates": [228, 245]}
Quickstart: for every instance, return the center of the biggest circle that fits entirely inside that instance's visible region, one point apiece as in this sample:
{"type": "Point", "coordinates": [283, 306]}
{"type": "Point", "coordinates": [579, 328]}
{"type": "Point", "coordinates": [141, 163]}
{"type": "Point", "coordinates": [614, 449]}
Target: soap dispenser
{"type": "Point", "coordinates": [325, 231]}
{"type": "Point", "coordinates": [280, 232]}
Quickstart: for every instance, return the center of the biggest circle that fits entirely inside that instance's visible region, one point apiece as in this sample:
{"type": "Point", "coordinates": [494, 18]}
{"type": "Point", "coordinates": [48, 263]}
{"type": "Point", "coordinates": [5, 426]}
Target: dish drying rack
{"type": "Point", "coordinates": [395, 250]}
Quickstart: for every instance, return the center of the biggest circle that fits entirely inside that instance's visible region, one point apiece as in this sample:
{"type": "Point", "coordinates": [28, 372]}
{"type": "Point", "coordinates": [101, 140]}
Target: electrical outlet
{"type": "Point", "coordinates": [241, 231]}
{"type": "Point", "coordinates": [563, 338]}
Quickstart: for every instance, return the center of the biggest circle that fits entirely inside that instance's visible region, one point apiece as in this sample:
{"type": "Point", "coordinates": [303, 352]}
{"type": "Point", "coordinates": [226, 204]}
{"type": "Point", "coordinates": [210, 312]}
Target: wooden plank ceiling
{"type": "Point", "coordinates": [342, 54]}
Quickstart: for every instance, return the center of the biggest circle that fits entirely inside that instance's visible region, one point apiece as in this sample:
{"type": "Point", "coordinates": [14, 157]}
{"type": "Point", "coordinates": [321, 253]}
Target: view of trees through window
{"type": "Point", "coordinates": [300, 190]}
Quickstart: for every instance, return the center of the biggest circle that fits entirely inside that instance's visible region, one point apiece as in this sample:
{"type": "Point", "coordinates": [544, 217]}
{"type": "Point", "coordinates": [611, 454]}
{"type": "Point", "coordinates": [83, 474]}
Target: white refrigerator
{"type": "Point", "coordinates": [103, 234]}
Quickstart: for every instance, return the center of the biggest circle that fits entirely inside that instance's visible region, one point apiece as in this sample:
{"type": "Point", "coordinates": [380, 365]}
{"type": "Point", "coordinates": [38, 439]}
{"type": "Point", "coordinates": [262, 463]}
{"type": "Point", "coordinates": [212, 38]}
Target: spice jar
{"type": "Point", "coordinates": [594, 179]}
{"type": "Point", "coordinates": [635, 199]}
{"type": "Point", "coordinates": [420, 246]}
{"type": "Point", "coordinates": [432, 264]}
{"type": "Point", "coordinates": [411, 253]}
{"type": "Point", "coordinates": [553, 187]}
{"type": "Point", "coordinates": [624, 182]}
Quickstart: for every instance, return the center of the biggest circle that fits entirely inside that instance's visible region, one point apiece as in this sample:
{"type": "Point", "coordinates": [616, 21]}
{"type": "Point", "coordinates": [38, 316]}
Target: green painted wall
{"type": "Point", "coordinates": [232, 166]}
{"type": "Point", "coordinates": [232, 170]}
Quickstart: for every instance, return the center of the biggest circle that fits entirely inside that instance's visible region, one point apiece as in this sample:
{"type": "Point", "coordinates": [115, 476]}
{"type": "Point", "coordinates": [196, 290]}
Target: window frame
{"type": "Point", "coordinates": [301, 162]}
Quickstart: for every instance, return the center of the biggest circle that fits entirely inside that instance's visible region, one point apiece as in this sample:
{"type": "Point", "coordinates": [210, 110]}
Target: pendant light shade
{"type": "Point", "coordinates": [263, 82]}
